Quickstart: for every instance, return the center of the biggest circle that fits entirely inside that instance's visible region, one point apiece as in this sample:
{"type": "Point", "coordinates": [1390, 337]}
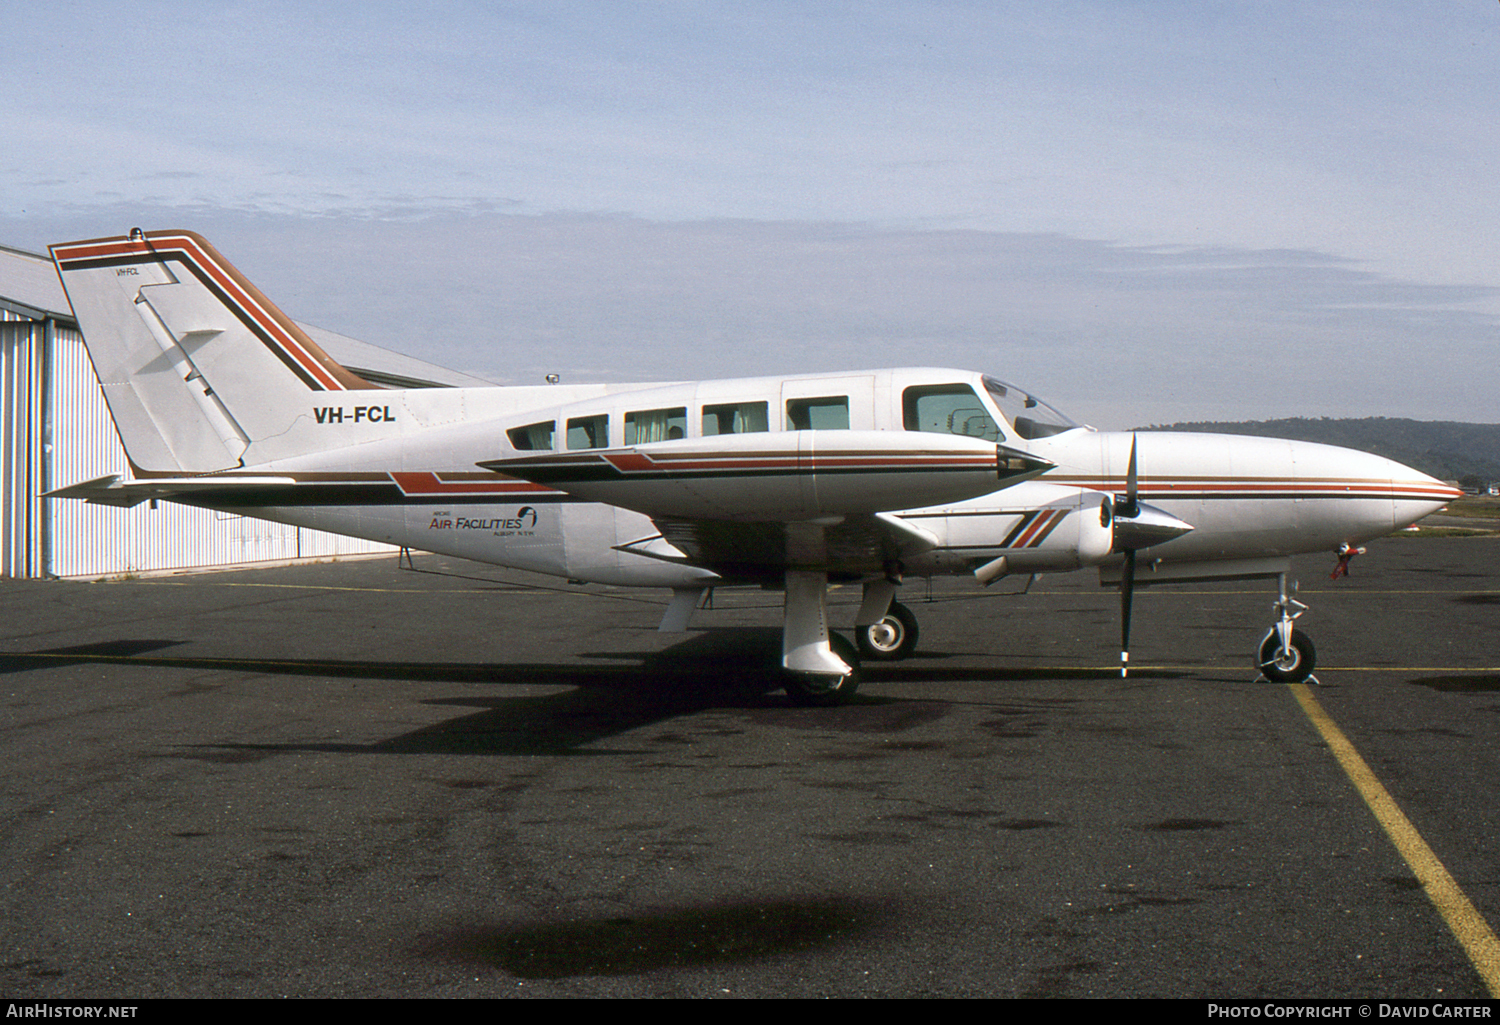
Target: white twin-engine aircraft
{"type": "Point", "coordinates": [795, 482]}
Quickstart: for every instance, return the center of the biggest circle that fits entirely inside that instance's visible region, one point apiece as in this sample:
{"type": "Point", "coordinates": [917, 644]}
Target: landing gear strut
{"type": "Point", "coordinates": [1287, 654]}
{"type": "Point", "coordinates": [818, 666]}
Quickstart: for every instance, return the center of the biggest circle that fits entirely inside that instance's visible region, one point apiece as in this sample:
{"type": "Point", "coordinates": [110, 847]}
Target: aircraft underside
{"type": "Point", "coordinates": [595, 543]}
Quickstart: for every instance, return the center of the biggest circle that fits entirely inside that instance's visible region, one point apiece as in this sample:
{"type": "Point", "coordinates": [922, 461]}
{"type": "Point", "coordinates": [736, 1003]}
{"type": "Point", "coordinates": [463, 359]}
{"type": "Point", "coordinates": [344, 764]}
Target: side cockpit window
{"type": "Point", "coordinates": [1030, 416]}
{"type": "Point", "coordinates": [948, 409]}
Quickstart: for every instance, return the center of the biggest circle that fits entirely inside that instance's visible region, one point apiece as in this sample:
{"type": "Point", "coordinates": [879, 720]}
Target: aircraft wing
{"type": "Point", "coordinates": [753, 506]}
{"type": "Point", "coordinates": [786, 477]}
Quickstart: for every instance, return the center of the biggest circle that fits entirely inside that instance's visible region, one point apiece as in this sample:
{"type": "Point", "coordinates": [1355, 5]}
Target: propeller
{"type": "Point", "coordinates": [1136, 525]}
{"type": "Point", "coordinates": [1128, 508]}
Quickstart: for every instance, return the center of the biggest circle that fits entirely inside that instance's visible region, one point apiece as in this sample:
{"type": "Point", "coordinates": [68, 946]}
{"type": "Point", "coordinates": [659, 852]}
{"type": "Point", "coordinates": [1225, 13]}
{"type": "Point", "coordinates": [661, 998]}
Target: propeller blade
{"type": "Point", "coordinates": [1127, 593]}
{"type": "Point", "coordinates": [1130, 507]}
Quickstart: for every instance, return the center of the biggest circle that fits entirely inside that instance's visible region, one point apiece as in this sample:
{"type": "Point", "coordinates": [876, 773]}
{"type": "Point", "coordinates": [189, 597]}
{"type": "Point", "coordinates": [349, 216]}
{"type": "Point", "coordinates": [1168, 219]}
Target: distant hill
{"type": "Point", "coordinates": [1443, 449]}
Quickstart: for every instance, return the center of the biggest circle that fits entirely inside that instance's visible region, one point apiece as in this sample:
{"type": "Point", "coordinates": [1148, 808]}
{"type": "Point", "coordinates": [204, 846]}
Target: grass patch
{"type": "Point", "coordinates": [1482, 507]}
{"type": "Point", "coordinates": [1421, 531]}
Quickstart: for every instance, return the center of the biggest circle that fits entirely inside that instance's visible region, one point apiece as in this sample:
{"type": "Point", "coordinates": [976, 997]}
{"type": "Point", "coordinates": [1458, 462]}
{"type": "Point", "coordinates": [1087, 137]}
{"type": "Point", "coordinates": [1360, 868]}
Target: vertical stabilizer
{"type": "Point", "coordinates": [199, 368]}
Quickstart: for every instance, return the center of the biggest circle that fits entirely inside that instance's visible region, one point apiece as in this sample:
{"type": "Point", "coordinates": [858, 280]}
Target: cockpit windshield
{"type": "Point", "coordinates": [1028, 415]}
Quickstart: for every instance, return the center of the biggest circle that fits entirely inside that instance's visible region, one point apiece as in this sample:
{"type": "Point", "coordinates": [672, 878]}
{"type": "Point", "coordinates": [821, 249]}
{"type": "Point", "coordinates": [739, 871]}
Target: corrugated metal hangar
{"type": "Point", "coordinates": [55, 430]}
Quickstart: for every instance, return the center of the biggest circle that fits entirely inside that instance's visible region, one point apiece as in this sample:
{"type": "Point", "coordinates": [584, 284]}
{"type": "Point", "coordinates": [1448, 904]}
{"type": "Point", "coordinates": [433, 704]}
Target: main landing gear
{"type": "Point", "coordinates": [1287, 654]}
{"type": "Point", "coordinates": [819, 668]}
{"type": "Point", "coordinates": [825, 689]}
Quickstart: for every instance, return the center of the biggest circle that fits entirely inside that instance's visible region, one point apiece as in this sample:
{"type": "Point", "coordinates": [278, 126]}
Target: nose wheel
{"type": "Point", "coordinates": [1292, 663]}
{"type": "Point", "coordinates": [893, 637]}
{"type": "Point", "coordinates": [1287, 654]}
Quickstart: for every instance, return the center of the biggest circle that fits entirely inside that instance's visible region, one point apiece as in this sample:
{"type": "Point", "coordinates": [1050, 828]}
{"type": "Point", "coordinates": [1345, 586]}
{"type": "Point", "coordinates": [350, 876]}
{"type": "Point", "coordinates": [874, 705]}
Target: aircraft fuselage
{"type": "Point", "coordinates": [1246, 498]}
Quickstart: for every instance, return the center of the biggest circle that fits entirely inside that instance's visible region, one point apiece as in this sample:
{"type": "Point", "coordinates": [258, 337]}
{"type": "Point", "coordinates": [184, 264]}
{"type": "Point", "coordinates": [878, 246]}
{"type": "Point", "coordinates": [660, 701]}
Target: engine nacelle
{"type": "Point", "coordinates": [1033, 528]}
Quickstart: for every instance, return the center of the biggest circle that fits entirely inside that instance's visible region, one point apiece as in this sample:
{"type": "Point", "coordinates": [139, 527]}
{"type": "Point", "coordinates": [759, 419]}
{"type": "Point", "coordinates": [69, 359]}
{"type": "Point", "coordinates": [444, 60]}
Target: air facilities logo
{"type": "Point", "coordinates": [522, 524]}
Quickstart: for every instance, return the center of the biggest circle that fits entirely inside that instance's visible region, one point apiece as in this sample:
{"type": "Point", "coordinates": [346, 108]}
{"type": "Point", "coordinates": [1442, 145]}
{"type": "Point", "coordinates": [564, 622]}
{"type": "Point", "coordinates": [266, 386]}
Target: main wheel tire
{"type": "Point", "coordinates": [824, 690]}
{"type": "Point", "coordinates": [1292, 668]}
{"type": "Point", "coordinates": [894, 637]}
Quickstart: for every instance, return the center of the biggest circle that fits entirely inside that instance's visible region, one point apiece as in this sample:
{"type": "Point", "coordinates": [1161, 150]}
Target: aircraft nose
{"type": "Point", "coordinates": [1415, 494]}
{"type": "Point", "coordinates": [1386, 495]}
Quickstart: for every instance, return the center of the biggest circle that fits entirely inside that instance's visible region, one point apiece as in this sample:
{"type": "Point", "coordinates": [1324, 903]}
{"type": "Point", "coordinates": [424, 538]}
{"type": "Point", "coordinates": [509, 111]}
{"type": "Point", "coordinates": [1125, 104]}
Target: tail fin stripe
{"type": "Point", "coordinates": [275, 330]}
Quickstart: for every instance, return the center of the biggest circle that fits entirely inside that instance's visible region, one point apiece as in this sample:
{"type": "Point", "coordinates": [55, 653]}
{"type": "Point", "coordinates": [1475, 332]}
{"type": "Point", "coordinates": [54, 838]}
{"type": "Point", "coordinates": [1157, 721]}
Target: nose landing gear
{"type": "Point", "coordinates": [1286, 654]}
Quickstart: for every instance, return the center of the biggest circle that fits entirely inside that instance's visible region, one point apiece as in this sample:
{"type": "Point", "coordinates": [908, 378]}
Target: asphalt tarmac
{"type": "Point", "coordinates": [357, 780]}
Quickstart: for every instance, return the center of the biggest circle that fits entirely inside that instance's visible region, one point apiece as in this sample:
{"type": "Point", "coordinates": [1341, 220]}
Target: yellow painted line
{"type": "Point", "coordinates": [1341, 592]}
{"type": "Point", "coordinates": [1464, 670]}
{"type": "Point", "coordinates": [1468, 925]}
{"type": "Point", "coordinates": [1200, 667]}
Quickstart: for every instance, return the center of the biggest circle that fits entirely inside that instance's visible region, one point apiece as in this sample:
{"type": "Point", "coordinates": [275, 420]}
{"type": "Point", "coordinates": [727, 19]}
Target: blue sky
{"type": "Point", "coordinates": [1146, 211]}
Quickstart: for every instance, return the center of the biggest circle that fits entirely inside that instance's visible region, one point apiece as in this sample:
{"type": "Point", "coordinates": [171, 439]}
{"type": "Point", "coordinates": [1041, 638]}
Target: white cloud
{"type": "Point", "coordinates": [1289, 204]}
{"type": "Point", "coordinates": [1118, 336]}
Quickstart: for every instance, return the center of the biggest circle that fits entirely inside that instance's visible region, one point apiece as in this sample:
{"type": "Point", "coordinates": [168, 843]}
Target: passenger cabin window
{"type": "Point", "coordinates": [948, 409]}
{"type": "Point", "coordinates": [532, 437]}
{"type": "Point", "coordinates": [588, 432]}
{"type": "Point", "coordinates": [649, 425]}
{"type": "Point", "coordinates": [736, 418]}
{"type": "Point", "coordinates": [829, 413]}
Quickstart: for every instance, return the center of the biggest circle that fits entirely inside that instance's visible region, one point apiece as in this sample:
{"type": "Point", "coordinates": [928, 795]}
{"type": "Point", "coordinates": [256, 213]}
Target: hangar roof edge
{"type": "Point", "coordinates": [29, 286]}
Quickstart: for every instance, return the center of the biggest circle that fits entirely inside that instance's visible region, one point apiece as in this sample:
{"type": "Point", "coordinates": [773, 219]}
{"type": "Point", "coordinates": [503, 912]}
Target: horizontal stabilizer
{"type": "Point", "coordinates": [111, 490]}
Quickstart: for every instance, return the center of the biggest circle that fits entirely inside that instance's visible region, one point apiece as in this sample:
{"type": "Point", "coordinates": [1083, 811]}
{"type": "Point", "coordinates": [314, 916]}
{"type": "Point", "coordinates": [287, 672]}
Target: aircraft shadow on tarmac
{"type": "Point", "coordinates": [729, 934]}
{"type": "Point", "coordinates": [1471, 683]}
{"type": "Point", "coordinates": [732, 667]}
